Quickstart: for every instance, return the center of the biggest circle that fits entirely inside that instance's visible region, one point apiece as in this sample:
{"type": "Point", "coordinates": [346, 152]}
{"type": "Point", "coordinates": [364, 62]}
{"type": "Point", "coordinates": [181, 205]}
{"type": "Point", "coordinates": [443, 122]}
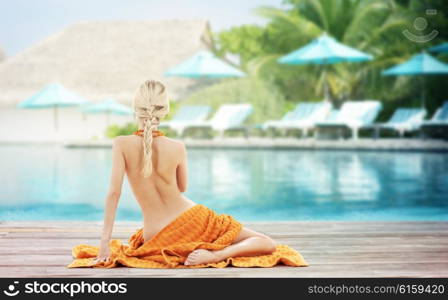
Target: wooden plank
{"type": "Point", "coordinates": [418, 270]}
{"type": "Point", "coordinates": [296, 226]}
{"type": "Point", "coordinates": [301, 246]}
{"type": "Point", "coordinates": [323, 240]}
{"type": "Point", "coordinates": [55, 250]}
{"type": "Point", "coordinates": [298, 245]}
{"type": "Point", "coordinates": [23, 271]}
{"type": "Point", "coordinates": [441, 235]}
{"type": "Point", "coordinates": [35, 250]}
{"type": "Point", "coordinates": [65, 259]}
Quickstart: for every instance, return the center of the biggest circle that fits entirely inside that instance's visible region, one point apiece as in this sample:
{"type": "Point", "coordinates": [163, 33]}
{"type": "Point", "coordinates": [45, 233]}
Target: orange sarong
{"type": "Point", "coordinates": [197, 228]}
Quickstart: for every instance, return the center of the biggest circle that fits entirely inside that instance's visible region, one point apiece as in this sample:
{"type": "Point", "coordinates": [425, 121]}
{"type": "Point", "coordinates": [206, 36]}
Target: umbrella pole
{"type": "Point", "coordinates": [326, 90]}
{"type": "Point", "coordinates": [55, 171]}
{"type": "Point", "coordinates": [423, 94]}
{"type": "Point", "coordinates": [107, 123]}
{"type": "Point", "coordinates": [84, 121]}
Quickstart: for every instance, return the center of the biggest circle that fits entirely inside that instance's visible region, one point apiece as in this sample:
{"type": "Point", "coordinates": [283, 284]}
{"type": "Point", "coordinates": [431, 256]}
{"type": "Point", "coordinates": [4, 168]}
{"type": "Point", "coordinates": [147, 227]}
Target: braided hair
{"type": "Point", "coordinates": [150, 105]}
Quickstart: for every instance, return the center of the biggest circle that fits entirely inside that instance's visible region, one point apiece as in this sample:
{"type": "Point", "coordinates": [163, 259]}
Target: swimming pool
{"type": "Point", "coordinates": [45, 182]}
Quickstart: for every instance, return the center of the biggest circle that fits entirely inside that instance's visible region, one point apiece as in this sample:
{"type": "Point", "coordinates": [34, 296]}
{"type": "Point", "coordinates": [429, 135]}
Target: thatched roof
{"type": "Point", "coordinates": [105, 59]}
{"type": "Point", "coordinates": [2, 55]}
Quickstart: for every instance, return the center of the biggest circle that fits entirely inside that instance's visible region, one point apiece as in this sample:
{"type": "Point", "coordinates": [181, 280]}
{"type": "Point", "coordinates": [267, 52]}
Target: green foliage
{"type": "Point", "coordinates": [372, 26]}
{"type": "Point", "coordinates": [127, 129]}
{"type": "Point", "coordinates": [267, 100]}
{"type": "Point", "coordinates": [115, 130]}
{"type": "Point", "coordinates": [436, 90]}
{"type": "Point", "coordinates": [245, 40]}
{"type": "Point", "coordinates": [174, 106]}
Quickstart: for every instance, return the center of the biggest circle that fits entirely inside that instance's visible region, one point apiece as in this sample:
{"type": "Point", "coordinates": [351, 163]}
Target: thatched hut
{"type": "Point", "coordinates": [103, 59]}
{"type": "Point", "coordinates": [2, 55]}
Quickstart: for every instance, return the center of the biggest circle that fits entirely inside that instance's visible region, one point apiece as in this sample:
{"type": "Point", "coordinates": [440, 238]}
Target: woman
{"type": "Point", "coordinates": [176, 231]}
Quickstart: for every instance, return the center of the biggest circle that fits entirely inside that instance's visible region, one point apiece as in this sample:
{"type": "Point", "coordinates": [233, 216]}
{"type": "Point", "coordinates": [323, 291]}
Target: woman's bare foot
{"type": "Point", "coordinates": [201, 256]}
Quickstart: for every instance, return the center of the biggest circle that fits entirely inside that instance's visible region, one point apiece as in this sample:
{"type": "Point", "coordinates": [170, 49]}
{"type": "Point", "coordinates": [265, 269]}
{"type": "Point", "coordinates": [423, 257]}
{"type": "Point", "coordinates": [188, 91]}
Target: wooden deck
{"type": "Point", "coordinates": [333, 249]}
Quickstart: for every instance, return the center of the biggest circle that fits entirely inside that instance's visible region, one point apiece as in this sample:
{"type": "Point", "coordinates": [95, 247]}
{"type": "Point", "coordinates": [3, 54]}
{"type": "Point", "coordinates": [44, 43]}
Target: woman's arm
{"type": "Point", "coordinates": [111, 201]}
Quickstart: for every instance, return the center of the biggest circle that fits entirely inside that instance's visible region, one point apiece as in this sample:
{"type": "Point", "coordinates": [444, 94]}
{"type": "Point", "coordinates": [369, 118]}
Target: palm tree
{"type": "Point", "coordinates": [372, 26]}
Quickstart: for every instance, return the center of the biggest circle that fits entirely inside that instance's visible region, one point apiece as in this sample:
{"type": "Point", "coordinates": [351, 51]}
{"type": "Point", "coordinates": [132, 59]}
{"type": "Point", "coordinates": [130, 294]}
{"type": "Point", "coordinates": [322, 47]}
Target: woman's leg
{"type": "Point", "coordinates": [248, 243]}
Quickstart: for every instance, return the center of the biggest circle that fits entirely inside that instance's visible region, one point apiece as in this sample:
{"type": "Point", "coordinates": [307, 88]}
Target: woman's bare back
{"type": "Point", "coordinates": [158, 178]}
{"type": "Point", "coordinates": [159, 195]}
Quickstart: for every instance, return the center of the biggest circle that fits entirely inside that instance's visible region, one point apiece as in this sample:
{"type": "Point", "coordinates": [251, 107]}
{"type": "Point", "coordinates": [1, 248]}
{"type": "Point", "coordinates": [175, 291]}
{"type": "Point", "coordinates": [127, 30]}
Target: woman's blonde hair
{"type": "Point", "coordinates": [150, 105]}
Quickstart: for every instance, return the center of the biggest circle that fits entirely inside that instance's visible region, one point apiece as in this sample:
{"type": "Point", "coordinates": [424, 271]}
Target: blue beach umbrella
{"type": "Point", "coordinates": [324, 50]}
{"type": "Point", "coordinates": [108, 106]}
{"type": "Point", "coordinates": [204, 64]}
{"type": "Point", "coordinates": [442, 48]}
{"type": "Point", "coordinates": [419, 64]}
{"type": "Point", "coordinates": [422, 63]}
{"type": "Point", "coordinates": [53, 96]}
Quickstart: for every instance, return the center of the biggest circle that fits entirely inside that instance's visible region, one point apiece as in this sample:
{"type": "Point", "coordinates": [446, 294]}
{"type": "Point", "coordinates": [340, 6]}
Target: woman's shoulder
{"type": "Point", "coordinates": [164, 141]}
{"type": "Point", "coordinates": [171, 149]}
{"type": "Point", "coordinates": [122, 139]}
{"type": "Point", "coordinates": [173, 142]}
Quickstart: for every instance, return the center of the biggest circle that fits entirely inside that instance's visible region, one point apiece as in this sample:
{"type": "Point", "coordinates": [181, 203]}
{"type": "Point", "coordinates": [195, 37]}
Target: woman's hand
{"type": "Point", "coordinates": [103, 253]}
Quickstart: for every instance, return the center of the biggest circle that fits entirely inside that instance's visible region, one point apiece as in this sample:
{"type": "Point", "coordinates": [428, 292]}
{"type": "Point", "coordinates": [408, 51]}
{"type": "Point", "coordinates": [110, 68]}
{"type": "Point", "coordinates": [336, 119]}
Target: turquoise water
{"type": "Point", "coordinates": [55, 183]}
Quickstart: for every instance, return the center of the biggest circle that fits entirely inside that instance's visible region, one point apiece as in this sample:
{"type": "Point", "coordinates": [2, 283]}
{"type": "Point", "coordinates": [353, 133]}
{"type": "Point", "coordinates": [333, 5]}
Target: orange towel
{"type": "Point", "coordinates": [197, 228]}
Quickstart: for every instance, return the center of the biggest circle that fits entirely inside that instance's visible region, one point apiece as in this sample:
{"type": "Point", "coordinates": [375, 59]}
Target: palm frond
{"type": "Point", "coordinates": [302, 25]}
{"type": "Point", "coordinates": [255, 65]}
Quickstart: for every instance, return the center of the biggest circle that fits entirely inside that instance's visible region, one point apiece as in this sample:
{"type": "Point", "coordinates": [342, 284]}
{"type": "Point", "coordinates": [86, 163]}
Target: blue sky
{"type": "Point", "coordinates": [24, 22]}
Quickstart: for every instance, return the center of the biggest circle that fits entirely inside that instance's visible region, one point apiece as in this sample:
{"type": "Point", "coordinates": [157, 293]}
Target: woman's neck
{"type": "Point", "coordinates": [143, 127]}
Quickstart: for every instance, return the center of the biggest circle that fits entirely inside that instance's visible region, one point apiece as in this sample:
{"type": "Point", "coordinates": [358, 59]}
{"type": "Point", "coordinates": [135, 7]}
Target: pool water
{"type": "Point", "coordinates": [42, 182]}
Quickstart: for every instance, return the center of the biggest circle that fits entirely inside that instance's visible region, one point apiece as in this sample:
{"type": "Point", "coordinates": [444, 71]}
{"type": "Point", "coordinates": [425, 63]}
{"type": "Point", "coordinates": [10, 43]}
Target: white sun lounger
{"type": "Point", "coordinates": [186, 115]}
{"type": "Point", "coordinates": [438, 122]}
{"type": "Point", "coordinates": [440, 117]}
{"type": "Point", "coordinates": [332, 115]}
{"type": "Point", "coordinates": [353, 115]}
{"type": "Point", "coordinates": [278, 123]}
{"type": "Point", "coordinates": [403, 120]}
{"type": "Point", "coordinates": [228, 117]}
{"type": "Point", "coordinates": [303, 117]}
